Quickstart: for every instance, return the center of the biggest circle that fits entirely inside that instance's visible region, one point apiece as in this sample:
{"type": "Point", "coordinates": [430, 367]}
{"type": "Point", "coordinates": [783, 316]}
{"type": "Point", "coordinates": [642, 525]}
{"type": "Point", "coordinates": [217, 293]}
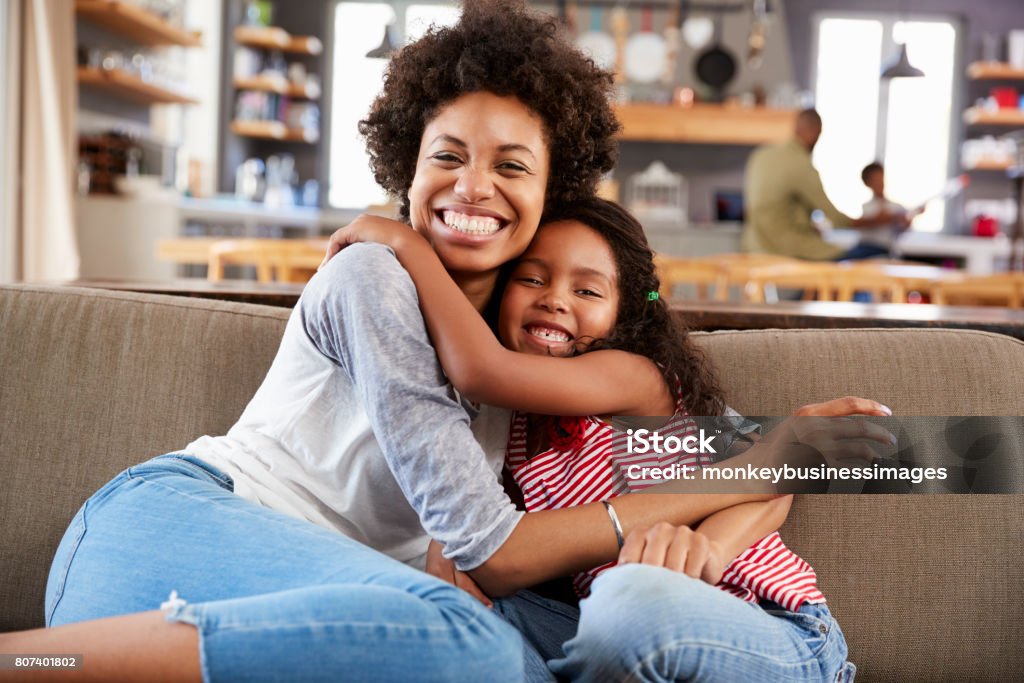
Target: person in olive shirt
{"type": "Point", "coordinates": [781, 191]}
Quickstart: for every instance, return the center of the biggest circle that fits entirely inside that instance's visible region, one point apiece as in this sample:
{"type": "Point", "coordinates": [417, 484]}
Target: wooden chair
{"type": "Point", "coordinates": [1003, 289]}
{"type": "Point", "coordinates": [675, 272]}
{"type": "Point", "coordinates": [817, 280]}
{"type": "Point", "coordinates": [889, 280]}
{"type": "Point", "coordinates": [286, 260]}
{"type": "Point", "coordinates": [737, 269]}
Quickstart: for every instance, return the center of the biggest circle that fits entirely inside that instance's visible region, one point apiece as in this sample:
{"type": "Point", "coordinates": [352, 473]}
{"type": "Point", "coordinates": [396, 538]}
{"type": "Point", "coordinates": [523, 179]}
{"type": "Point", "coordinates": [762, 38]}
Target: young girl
{"type": "Point", "coordinates": [585, 292]}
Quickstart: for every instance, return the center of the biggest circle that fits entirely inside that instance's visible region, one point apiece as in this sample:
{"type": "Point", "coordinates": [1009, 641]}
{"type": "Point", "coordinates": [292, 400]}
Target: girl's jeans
{"type": "Point", "coordinates": [274, 598]}
{"type": "Point", "coordinates": [644, 623]}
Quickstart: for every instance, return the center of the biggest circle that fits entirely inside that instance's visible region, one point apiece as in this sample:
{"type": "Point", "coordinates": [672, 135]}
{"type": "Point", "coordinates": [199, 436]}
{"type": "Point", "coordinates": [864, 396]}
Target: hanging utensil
{"type": "Point", "coordinates": [758, 34]}
{"type": "Point", "coordinates": [716, 66]}
{"type": "Point", "coordinates": [597, 44]}
{"type": "Point", "coordinates": [672, 30]}
{"type": "Point", "coordinates": [645, 51]}
{"type": "Point", "coordinates": [620, 33]}
{"type": "Point", "coordinates": [697, 31]}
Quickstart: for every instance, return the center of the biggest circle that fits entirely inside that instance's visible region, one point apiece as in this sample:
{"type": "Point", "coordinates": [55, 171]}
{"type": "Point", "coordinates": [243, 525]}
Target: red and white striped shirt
{"type": "Point", "coordinates": [588, 461]}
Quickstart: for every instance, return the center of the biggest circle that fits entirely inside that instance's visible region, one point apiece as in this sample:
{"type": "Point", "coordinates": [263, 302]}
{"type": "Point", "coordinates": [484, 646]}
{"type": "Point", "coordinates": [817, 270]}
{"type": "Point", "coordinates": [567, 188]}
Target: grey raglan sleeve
{"type": "Point", "coordinates": [362, 312]}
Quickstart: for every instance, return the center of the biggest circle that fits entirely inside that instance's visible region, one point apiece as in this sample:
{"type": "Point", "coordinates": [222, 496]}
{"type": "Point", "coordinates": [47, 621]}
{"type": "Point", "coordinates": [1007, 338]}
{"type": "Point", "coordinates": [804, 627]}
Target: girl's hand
{"type": "Point", "coordinates": [443, 568]}
{"type": "Point", "coordinates": [678, 548]}
{"type": "Point", "coordinates": [370, 228]}
{"type": "Point", "coordinates": [841, 407]}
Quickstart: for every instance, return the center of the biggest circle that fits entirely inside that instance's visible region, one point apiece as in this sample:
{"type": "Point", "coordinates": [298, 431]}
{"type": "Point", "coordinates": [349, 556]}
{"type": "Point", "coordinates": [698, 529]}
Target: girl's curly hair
{"type": "Point", "coordinates": [500, 47]}
{"type": "Point", "coordinates": [644, 325]}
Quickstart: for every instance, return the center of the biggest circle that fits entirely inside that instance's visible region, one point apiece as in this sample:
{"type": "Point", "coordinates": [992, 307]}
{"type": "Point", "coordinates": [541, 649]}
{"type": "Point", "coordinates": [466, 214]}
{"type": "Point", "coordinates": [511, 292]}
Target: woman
{"type": "Point", "coordinates": [476, 127]}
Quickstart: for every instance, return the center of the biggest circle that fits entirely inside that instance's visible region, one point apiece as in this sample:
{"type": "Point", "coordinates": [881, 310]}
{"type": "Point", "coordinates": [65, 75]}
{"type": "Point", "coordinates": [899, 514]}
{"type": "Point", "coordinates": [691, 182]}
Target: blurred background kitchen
{"type": "Point", "coordinates": [162, 140]}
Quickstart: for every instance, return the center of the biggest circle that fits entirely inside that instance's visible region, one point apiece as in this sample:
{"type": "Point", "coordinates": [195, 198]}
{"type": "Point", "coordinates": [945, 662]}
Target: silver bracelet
{"type": "Point", "coordinates": [619, 538]}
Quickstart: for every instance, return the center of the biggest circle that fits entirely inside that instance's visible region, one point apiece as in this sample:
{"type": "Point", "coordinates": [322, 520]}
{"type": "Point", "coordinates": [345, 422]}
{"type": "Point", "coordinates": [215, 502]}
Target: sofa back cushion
{"type": "Point", "coordinates": [92, 382]}
{"type": "Point", "coordinates": [925, 587]}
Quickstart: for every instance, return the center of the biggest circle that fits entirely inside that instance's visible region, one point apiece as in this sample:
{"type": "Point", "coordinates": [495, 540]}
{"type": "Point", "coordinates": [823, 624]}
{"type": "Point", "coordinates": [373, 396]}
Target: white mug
{"type": "Point", "coordinates": [1015, 49]}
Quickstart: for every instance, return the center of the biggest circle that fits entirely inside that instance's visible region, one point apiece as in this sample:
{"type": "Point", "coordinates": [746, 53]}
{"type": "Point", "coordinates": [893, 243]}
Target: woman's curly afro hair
{"type": "Point", "coordinates": [500, 47]}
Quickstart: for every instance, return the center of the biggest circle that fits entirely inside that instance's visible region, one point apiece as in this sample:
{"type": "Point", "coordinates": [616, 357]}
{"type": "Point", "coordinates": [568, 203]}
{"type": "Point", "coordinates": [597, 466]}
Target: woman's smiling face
{"type": "Point", "coordinates": [481, 177]}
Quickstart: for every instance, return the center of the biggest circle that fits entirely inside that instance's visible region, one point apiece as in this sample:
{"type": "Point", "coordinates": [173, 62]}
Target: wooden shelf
{"type": "Point", "coordinates": [131, 21]}
{"type": "Point", "coordinates": [982, 71]}
{"type": "Point", "coordinates": [705, 123]}
{"type": "Point", "coordinates": [271, 130]}
{"type": "Point", "coordinates": [990, 166]}
{"type": "Point", "coordinates": [273, 38]}
{"type": "Point", "coordinates": [1003, 117]}
{"type": "Point", "coordinates": [279, 86]}
{"type": "Point", "coordinates": [130, 87]}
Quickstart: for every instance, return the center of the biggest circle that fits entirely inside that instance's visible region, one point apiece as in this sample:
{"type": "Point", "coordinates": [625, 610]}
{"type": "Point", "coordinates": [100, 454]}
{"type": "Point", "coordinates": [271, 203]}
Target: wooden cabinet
{"type": "Point", "coordinates": [121, 85]}
{"type": "Point", "coordinates": [1001, 118]}
{"type": "Point", "coordinates": [274, 86]}
{"type": "Point", "coordinates": [994, 71]}
{"type": "Point", "coordinates": [275, 79]}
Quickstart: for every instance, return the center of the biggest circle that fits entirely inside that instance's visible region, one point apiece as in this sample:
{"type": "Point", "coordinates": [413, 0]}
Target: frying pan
{"type": "Point", "coordinates": [716, 66]}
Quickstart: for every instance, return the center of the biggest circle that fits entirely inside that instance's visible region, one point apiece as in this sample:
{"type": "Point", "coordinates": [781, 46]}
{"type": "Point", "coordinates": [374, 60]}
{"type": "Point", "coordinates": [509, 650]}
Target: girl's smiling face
{"type": "Point", "coordinates": [480, 183]}
{"type": "Point", "coordinates": [563, 293]}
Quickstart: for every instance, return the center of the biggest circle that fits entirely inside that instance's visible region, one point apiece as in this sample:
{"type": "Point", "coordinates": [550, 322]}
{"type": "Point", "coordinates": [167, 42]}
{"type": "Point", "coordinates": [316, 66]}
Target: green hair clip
{"type": "Point", "coordinates": [652, 296]}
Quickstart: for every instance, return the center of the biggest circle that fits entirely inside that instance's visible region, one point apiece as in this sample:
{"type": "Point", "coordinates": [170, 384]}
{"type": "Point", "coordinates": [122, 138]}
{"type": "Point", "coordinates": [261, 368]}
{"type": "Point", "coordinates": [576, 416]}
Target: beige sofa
{"type": "Point", "coordinates": [927, 588]}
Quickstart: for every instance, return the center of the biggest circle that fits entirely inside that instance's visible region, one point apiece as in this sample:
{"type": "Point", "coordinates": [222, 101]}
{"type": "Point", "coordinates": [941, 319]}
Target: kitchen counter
{"type": "Point", "coordinates": [981, 255]}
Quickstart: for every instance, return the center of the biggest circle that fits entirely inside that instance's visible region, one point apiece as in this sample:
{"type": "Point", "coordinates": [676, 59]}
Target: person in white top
{"type": "Point", "coordinates": [882, 238]}
{"type": "Point", "coordinates": [280, 551]}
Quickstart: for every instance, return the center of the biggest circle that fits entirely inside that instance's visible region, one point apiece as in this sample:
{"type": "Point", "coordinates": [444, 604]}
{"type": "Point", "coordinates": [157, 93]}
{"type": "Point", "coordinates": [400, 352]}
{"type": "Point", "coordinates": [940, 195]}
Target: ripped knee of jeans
{"type": "Point", "coordinates": [175, 608]}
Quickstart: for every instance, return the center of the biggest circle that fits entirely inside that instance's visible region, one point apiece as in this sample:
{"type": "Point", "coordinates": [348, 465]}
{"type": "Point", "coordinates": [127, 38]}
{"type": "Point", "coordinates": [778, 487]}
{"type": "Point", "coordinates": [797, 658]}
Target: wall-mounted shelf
{"type": "Point", "coordinates": [273, 38]}
{"type": "Point", "coordinates": [131, 21]}
{"type": "Point", "coordinates": [279, 86]}
{"type": "Point", "coordinates": [989, 166]}
{"type": "Point", "coordinates": [272, 130]}
{"type": "Point", "coordinates": [130, 87]}
{"type": "Point", "coordinates": [982, 71]}
{"type": "Point", "coordinates": [1002, 117]}
{"type": "Point", "coordinates": [705, 124]}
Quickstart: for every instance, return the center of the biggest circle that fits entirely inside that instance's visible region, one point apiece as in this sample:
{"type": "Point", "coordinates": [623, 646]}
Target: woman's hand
{"type": "Point", "coordinates": [678, 548]}
{"type": "Point", "coordinates": [443, 568]}
{"type": "Point", "coordinates": [370, 228]}
{"type": "Point", "coordinates": [841, 407]}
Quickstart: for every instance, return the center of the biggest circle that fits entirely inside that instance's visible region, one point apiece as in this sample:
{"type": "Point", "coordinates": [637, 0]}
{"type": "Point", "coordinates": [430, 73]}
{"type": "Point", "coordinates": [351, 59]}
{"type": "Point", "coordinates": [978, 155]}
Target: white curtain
{"type": "Point", "coordinates": [49, 249]}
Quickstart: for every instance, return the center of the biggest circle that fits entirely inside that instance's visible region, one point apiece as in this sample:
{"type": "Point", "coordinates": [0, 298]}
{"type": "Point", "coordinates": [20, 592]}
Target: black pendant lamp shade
{"type": "Point", "coordinates": [901, 68]}
{"type": "Point", "coordinates": [386, 47]}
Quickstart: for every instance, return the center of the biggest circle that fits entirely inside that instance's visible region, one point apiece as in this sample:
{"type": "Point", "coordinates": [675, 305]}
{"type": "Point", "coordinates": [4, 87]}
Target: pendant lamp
{"type": "Point", "coordinates": [901, 68]}
{"type": "Point", "coordinates": [386, 47]}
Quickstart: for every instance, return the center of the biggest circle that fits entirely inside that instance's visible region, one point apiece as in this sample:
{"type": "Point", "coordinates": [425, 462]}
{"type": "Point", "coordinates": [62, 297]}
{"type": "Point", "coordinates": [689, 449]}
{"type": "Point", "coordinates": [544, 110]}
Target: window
{"type": "Point", "coordinates": [358, 28]}
{"type": "Point", "coordinates": [905, 122]}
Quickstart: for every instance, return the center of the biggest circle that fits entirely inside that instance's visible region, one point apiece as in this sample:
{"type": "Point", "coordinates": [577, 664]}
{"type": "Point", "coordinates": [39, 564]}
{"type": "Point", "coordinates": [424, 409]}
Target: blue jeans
{"type": "Point", "coordinates": [645, 623]}
{"type": "Point", "coordinates": [274, 598]}
{"type": "Point", "coordinates": [863, 251]}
